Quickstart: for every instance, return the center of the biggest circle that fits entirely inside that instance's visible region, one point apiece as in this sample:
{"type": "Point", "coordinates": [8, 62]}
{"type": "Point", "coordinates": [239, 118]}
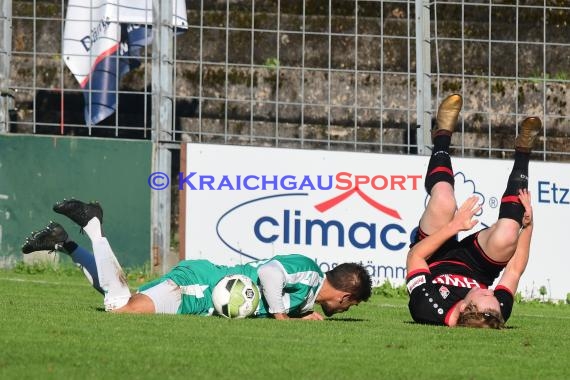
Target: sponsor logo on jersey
{"type": "Point", "coordinates": [458, 280]}
{"type": "Point", "coordinates": [415, 282]}
{"type": "Point", "coordinates": [444, 292]}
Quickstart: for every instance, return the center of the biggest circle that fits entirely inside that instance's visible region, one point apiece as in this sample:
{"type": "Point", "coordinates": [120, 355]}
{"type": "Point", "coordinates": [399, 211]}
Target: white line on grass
{"type": "Point", "coordinates": [392, 305]}
{"type": "Point", "coordinates": [40, 282]}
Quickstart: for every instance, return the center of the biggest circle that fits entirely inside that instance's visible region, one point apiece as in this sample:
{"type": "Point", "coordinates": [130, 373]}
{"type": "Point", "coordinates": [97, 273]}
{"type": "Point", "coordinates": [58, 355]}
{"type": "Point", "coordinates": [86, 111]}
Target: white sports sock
{"type": "Point", "coordinates": [111, 277]}
{"type": "Point", "coordinates": [93, 229]}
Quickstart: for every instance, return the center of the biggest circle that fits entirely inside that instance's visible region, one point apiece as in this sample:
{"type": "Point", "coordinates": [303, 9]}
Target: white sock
{"type": "Point", "coordinates": [111, 277]}
{"type": "Point", "coordinates": [93, 229]}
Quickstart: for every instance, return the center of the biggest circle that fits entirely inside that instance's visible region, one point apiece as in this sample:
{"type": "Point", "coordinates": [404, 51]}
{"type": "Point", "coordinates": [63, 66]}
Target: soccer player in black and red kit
{"type": "Point", "coordinates": [448, 280]}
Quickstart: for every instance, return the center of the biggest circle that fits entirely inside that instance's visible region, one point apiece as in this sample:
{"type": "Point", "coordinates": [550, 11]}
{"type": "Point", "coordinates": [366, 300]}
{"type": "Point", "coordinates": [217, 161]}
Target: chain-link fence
{"type": "Point", "coordinates": [315, 74]}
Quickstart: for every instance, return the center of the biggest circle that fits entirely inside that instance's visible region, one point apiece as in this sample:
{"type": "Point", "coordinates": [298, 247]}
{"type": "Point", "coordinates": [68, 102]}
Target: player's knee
{"type": "Point", "coordinates": [138, 304]}
{"type": "Point", "coordinates": [508, 232]}
{"type": "Point", "coordinates": [439, 179]}
{"type": "Point", "coordinates": [500, 240]}
{"type": "Point", "coordinates": [443, 199]}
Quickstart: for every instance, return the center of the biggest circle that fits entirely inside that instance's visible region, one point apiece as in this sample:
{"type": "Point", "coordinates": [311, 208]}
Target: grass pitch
{"type": "Point", "coordinates": [52, 326]}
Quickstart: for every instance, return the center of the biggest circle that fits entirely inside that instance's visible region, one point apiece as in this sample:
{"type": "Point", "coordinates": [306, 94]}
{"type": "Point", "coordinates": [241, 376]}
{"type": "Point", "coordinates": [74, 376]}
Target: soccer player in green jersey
{"type": "Point", "coordinates": [290, 285]}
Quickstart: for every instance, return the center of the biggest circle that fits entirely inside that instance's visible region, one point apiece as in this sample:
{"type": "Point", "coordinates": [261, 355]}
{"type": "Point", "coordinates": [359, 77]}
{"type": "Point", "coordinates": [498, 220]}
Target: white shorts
{"type": "Point", "coordinates": [166, 297]}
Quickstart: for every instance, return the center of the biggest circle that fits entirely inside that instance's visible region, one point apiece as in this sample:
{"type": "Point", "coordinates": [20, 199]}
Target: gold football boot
{"type": "Point", "coordinates": [448, 113]}
{"type": "Point", "coordinates": [530, 127]}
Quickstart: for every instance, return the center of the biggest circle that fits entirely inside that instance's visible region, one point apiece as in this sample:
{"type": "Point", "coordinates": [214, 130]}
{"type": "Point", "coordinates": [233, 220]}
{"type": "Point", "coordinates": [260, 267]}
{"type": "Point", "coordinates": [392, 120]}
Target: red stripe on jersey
{"type": "Point", "coordinates": [436, 263]}
{"type": "Point", "coordinates": [503, 287]}
{"type": "Point", "coordinates": [414, 272]}
{"type": "Point", "coordinates": [441, 169]}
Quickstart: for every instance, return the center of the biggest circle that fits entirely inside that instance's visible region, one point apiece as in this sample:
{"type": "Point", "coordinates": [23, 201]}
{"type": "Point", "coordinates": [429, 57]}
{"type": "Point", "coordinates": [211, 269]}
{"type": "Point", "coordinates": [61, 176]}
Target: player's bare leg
{"type": "Point", "coordinates": [499, 242]}
{"type": "Point", "coordinates": [138, 304]}
{"type": "Point", "coordinates": [439, 180]}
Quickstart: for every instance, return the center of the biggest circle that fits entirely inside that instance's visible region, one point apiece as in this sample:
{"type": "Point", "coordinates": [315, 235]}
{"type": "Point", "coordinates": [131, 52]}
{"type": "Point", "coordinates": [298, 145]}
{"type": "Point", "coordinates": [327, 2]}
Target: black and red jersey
{"type": "Point", "coordinates": [433, 297]}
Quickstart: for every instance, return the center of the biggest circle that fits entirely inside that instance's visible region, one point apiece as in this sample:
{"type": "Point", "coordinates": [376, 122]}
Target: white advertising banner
{"type": "Point", "coordinates": [245, 203]}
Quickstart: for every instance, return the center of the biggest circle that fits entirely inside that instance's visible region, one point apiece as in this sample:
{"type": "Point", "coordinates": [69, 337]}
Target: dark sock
{"type": "Point", "coordinates": [521, 160]}
{"type": "Point", "coordinates": [70, 246]}
{"type": "Point", "coordinates": [439, 167]}
{"type": "Point", "coordinates": [511, 206]}
{"type": "Point", "coordinates": [442, 141]}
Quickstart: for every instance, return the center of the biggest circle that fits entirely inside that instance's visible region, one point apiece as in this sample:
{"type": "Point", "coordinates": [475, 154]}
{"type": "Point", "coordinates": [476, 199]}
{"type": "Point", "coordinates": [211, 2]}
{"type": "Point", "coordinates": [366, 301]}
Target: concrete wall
{"type": "Point", "coordinates": [384, 44]}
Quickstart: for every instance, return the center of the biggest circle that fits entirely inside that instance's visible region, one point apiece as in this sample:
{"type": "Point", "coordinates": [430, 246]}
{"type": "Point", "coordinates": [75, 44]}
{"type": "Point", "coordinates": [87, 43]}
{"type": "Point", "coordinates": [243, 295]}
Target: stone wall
{"type": "Point", "coordinates": [276, 75]}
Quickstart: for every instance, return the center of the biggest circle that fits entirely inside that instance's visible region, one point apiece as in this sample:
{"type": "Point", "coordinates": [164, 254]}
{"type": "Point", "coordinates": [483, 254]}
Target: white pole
{"type": "Point", "coordinates": [6, 95]}
{"type": "Point", "coordinates": [162, 128]}
{"type": "Point", "coordinates": [423, 77]}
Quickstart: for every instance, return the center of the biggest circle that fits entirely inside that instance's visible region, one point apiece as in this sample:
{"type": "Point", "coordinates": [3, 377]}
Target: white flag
{"type": "Point", "coordinates": [101, 42]}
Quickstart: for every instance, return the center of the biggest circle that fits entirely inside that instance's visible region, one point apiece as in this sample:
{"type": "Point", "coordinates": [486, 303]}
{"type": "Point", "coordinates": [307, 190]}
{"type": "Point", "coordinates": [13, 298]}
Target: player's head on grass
{"type": "Point", "coordinates": [480, 308]}
{"type": "Point", "coordinates": [486, 319]}
{"type": "Point", "coordinates": [346, 285]}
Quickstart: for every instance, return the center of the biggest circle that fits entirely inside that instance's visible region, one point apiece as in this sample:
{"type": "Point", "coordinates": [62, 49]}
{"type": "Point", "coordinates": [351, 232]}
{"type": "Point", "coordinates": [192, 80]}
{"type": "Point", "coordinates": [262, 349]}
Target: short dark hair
{"type": "Point", "coordinates": [472, 317]}
{"type": "Point", "coordinates": [351, 278]}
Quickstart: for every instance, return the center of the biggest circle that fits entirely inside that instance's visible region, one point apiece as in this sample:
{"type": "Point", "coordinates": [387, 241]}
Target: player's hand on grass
{"type": "Point", "coordinates": [524, 196]}
{"type": "Point", "coordinates": [463, 218]}
{"type": "Point", "coordinates": [314, 316]}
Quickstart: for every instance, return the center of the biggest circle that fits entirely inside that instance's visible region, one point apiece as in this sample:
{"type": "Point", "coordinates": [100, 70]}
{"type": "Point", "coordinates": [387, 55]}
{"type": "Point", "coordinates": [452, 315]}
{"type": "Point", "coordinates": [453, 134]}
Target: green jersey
{"type": "Point", "coordinates": [298, 278]}
{"type": "Point", "coordinates": [289, 284]}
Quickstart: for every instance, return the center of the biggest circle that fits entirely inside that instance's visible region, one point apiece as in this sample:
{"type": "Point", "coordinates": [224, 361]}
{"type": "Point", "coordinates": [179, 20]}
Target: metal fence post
{"type": "Point", "coordinates": [423, 76]}
{"type": "Point", "coordinates": [162, 108]}
{"type": "Point", "coordinates": [6, 96]}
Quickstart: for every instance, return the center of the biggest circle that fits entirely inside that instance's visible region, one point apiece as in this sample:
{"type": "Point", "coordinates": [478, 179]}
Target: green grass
{"type": "Point", "coordinates": [52, 327]}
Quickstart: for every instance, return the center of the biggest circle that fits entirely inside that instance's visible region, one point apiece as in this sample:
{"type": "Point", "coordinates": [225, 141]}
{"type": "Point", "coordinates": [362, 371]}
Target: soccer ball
{"type": "Point", "coordinates": [235, 296]}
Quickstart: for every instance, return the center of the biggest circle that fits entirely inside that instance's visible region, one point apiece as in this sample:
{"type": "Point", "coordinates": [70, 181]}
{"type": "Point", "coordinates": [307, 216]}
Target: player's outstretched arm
{"type": "Point", "coordinates": [462, 221]}
{"type": "Point", "coordinates": [517, 264]}
{"type": "Point", "coordinates": [313, 316]}
{"type": "Point", "coordinates": [272, 280]}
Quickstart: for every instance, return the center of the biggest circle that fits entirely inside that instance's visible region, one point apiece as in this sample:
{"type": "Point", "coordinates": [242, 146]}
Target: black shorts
{"type": "Point", "coordinates": [463, 257]}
